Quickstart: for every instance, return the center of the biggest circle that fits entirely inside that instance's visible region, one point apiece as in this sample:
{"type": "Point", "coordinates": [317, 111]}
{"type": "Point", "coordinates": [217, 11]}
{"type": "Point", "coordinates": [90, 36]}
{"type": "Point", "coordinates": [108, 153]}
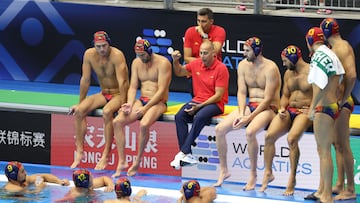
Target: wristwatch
{"type": "Point", "coordinates": [205, 36]}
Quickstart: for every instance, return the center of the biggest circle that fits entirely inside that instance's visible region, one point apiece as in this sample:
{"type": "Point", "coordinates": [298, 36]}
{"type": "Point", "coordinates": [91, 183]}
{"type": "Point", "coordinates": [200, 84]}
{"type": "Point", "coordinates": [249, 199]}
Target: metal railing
{"type": "Point", "coordinates": [345, 5]}
{"type": "Point", "coordinates": [257, 5]}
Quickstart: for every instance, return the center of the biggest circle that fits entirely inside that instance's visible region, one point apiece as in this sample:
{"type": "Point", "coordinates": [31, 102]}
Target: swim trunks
{"type": "Point", "coordinates": [349, 104]}
{"type": "Point", "coordinates": [107, 96]}
{"type": "Point", "coordinates": [253, 105]}
{"type": "Point", "coordinates": [293, 112]}
{"type": "Point", "coordinates": [144, 100]}
{"type": "Point", "coordinates": [332, 110]}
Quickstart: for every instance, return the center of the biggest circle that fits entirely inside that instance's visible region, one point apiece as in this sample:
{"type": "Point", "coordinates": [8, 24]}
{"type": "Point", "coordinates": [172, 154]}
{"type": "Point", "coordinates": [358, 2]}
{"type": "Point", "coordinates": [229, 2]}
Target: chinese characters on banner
{"type": "Point", "coordinates": [158, 152]}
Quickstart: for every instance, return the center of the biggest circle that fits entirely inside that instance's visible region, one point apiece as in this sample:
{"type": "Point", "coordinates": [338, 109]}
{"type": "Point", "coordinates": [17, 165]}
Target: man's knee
{"type": "Point", "coordinates": [250, 133]}
{"type": "Point", "coordinates": [292, 142]}
{"type": "Point", "coordinates": [270, 138]}
{"type": "Point", "coordinates": [118, 122]}
{"type": "Point", "coordinates": [218, 130]}
{"type": "Point", "coordinates": [80, 113]}
{"type": "Point", "coordinates": [221, 130]}
{"type": "Point", "coordinates": [144, 125]}
{"type": "Point", "coordinates": [338, 147]}
{"type": "Point", "coordinates": [179, 115]}
{"type": "Point", "coordinates": [108, 114]}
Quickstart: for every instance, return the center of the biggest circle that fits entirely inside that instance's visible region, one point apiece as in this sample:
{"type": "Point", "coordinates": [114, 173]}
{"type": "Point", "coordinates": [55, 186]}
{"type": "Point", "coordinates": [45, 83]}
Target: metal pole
{"type": "Point", "coordinates": [258, 6]}
{"type": "Point", "coordinates": [168, 4]}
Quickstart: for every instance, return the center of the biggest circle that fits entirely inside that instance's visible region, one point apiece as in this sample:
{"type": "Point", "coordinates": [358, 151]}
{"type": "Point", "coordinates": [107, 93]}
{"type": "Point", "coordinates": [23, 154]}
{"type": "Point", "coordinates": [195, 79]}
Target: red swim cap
{"type": "Point", "coordinates": [101, 36]}
{"type": "Point", "coordinates": [315, 34]}
{"type": "Point", "coordinates": [143, 45]}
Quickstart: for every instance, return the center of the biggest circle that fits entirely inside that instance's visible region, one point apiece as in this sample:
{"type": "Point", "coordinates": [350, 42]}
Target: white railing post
{"type": "Point", "coordinates": [258, 6]}
{"type": "Point", "coordinates": [169, 4]}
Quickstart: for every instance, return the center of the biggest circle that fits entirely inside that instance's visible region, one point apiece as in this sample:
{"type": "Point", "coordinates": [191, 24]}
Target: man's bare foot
{"type": "Point", "coordinates": [289, 192]}
{"type": "Point", "coordinates": [77, 159]}
{"type": "Point", "coordinates": [337, 189]}
{"type": "Point", "coordinates": [119, 168]}
{"type": "Point", "coordinates": [223, 176]}
{"type": "Point", "coordinates": [266, 180]}
{"type": "Point", "coordinates": [322, 200]}
{"type": "Point", "coordinates": [290, 188]}
{"type": "Point", "coordinates": [250, 185]}
{"type": "Point", "coordinates": [345, 195]}
{"type": "Point", "coordinates": [102, 163]}
{"type": "Point", "coordinates": [133, 170]}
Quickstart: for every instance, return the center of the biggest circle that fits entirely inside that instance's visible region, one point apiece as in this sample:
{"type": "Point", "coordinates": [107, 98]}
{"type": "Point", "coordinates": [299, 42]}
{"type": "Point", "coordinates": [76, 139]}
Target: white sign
{"type": "Point", "coordinates": [238, 160]}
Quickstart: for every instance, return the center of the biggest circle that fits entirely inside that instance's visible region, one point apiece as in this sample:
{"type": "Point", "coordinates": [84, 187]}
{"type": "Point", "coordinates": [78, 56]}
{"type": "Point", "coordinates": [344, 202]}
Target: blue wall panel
{"type": "Point", "coordinates": [44, 41]}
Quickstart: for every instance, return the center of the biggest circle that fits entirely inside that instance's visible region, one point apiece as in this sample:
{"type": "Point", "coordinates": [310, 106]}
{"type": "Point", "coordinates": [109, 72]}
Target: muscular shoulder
{"type": "Point", "coordinates": [115, 50]}
{"type": "Point", "coordinates": [271, 67]}
{"type": "Point", "coordinates": [161, 59]}
{"type": "Point", "coordinates": [9, 187]}
{"type": "Point", "coordinates": [270, 63]}
{"type": "Point", "coordinates": [135, 62]}
{"type": "Point", "coordinates": [243, 67]}
{"type": "Point", "coordinates": [288, 74]}
{"type": "Point", "coordinates": [116, 53]}
{"type": "Point", "coordinates": [90, 52]}
{"type": "Point", "coordinates": [343, 49]}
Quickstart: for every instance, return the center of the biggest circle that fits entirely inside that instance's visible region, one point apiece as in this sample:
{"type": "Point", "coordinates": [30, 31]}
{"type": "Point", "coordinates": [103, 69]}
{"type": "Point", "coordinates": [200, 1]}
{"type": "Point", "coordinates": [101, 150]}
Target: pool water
{"type": "Point", "coordinates": [53, 193]}
{"type": "Point", "coordinates": [161, 189]}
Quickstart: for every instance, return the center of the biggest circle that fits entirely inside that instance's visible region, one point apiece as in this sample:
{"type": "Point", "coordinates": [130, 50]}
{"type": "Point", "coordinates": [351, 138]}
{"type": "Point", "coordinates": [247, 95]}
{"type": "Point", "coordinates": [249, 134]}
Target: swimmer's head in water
{"type": "Point", "coordinates": [122, 187]}
{"type": "Point", "coordinates": [82, 178]}
{"type": "Point", "coordinates": [12, 170]}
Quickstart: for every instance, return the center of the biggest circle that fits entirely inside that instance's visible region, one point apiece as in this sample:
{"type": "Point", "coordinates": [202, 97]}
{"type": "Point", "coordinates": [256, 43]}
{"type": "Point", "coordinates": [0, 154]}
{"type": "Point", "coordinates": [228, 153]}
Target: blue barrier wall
{"type": "Point", "coordinates": [44, 41]}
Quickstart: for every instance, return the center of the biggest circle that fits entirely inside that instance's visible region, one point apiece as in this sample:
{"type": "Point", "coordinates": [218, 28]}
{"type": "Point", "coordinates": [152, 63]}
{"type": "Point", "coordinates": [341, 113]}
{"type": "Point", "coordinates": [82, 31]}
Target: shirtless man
{"type": "Point", "coordinates": [260, 78]}
{"type": "Point", "coordinates": [18, 181]}
{"type": "Point", "coordinates": [85, 184]}
{"type": "Point", "coordinates": [326, 72]}
{"type": "Point", "coordinates": [191, 192]}
{"type": "Point", "coordinates": [292, 116]}
{"type": "Point", "coordinates": [110, 66]}
{"type": "Point", "coordinates": [123, 192]}
{"type": "Point", "coordinates": [344, 155]}
{"type": "Point", "coordinates": [153, 71]}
